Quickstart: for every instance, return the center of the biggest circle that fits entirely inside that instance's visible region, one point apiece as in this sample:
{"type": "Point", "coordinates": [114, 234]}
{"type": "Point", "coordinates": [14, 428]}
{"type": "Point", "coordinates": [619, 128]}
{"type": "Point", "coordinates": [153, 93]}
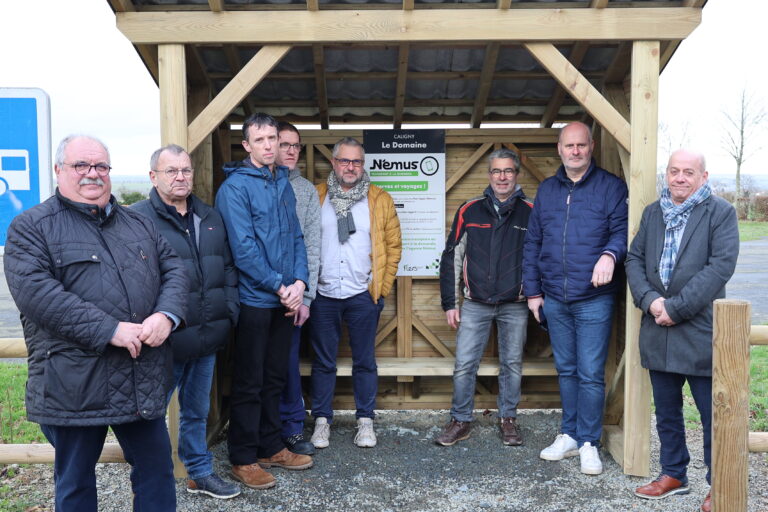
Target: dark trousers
{"type": "Point", "coordinates": [670, 425]}
{"type": "Point", "coordinates": [361, 314]}
{"type": "Point", "coordinates": [292, 411]}
{"type": "Point", "coordinates": [261, 360]}
{"type": "Point", "coordinates": [146, 447]}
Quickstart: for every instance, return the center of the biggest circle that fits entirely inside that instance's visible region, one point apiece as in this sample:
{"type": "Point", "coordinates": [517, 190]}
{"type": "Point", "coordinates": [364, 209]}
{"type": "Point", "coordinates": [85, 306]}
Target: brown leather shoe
{"type": "Point", "coordinates": [286, 459]}
{"type": "Point", "coordinates": [510, 433]}
{"type": "Point", "coordinates": [707, 505]}
{"type": "Point", "coordinates": [454, 432]}
{"type": "Point", "coordinates": [253, 476]}
{"type": "Point", "coordinates": [662, 487]}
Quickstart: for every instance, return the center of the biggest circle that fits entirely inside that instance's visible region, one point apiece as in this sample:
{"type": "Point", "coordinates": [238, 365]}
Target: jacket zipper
{"type": "Point", "coordinates": [565, 231]}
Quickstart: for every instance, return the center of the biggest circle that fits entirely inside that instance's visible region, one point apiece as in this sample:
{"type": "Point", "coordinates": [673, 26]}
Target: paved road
{"type": "Point", "coordinates": [750, 282]}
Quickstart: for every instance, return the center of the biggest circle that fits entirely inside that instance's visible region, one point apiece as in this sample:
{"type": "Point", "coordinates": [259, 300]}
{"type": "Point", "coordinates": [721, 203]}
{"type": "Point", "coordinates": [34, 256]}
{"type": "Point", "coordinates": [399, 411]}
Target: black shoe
{"type": "Point", "coordinates": [297, 444]}
{"type": "Point", "coordinates": [214, 486]}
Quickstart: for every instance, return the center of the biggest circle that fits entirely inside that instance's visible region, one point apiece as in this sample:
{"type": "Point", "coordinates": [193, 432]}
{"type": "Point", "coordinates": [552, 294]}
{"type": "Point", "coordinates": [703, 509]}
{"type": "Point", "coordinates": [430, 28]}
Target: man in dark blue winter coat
{"type": "Point", "coordinates": [577, 235]}
{"type": "Point", "coordinates": [258, 206]}
{"type": "Point", "coordinates": [99, 291]}
{"type": "Point", "coordinates": [196, 232]}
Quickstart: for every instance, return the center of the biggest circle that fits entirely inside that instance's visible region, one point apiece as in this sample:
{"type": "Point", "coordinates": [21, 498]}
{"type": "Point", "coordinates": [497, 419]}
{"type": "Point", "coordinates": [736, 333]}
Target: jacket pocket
{"type": "Point", "coordinates": [80, 271]}
{"type": "Point", "coordinates": [75, 380]}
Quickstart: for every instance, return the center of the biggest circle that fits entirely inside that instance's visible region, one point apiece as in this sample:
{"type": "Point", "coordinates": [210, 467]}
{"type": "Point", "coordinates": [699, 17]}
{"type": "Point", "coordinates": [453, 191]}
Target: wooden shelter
{"type": "Point", "coordinates": [474, 63]}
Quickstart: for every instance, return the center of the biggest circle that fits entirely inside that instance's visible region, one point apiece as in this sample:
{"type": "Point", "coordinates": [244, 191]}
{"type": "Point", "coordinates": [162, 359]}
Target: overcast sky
{"type": "Point", "coordinates": [98, 85]}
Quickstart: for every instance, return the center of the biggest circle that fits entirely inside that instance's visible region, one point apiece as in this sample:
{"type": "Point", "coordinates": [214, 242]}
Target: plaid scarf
{"type": "Point", "coordinates": [675, 219]}
{"type": "Point", "coordinates": [343, 201]}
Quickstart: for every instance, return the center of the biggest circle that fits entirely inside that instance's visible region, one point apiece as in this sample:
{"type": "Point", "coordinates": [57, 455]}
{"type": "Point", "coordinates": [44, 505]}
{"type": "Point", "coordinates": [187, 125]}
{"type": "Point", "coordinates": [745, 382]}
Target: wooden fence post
{"type": "Point", "coordinates": [730, 405]}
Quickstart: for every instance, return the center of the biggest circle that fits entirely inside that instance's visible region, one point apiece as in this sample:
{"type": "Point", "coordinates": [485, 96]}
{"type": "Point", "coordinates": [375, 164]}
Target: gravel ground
{"type": "Point", "coordinates": [408, 472]}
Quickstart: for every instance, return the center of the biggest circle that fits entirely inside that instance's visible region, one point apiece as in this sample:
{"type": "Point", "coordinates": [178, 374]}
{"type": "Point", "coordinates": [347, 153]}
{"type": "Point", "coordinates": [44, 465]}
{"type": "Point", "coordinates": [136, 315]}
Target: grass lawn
{"type": "Point", "coordinates": [758, 394]}
{"type": "Point", "coordinates": [750, 230]}
{"type": "Point", "coordinates": [14, 428]}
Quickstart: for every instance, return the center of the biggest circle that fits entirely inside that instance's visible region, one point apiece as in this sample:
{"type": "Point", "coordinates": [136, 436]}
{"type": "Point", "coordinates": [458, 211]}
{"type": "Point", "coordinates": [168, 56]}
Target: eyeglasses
{"type": "Point", "coordinates": [506, 172]}
{"type": "Point", "coordinates": [285, 146]}
{"type": "Point", "coordinates": [346, 162]}
{"type": "Point", "coordinates": [172, 173]}
{"type": "Point", "coordinates": [83, 168]}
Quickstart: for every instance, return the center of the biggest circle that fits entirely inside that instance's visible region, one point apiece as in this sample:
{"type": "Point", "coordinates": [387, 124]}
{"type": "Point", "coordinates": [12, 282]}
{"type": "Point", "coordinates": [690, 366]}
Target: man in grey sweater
{"type": "Point", "coordinates": [292, 411]}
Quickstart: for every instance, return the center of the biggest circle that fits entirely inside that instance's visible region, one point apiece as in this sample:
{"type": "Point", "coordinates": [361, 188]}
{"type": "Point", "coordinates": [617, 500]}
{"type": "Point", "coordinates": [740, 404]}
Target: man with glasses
{"type": "Point", "coordinates": [482, 262]}
{"type": "Point", "coordinates": [259, 211]}
{"type": "Point", "coordinates": [292, 411]}
{"type": "Point", "coordinates": [360, 251]}
{"type": "Point", "coordinates": [576, 237]}
{"type": "Point", "coordinates": [196, 232]}
{"type": "Point", "coordinates": [99, 292]}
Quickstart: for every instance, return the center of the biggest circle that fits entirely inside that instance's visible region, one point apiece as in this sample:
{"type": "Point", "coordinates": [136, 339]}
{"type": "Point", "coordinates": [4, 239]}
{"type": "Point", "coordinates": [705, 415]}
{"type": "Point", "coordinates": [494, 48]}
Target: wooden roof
{"type": "Point", "coordinates": [407, 61]}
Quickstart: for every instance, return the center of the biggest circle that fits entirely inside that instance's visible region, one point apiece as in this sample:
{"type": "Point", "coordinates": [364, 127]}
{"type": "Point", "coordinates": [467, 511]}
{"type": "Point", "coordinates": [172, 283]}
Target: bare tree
{"type": "Point", "coordinates": [741, 127]}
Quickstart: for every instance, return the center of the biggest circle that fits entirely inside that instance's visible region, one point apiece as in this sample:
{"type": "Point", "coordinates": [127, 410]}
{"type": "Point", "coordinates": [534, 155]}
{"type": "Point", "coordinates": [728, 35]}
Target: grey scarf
{"type": "Point", "coordinates": [343, 201]}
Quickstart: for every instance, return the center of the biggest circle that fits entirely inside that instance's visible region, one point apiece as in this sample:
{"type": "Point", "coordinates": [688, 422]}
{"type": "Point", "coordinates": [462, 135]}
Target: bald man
{"type": "Point", "coordinates": [684, 253]}
{"type": "Point", "coordinates": [577, 235]}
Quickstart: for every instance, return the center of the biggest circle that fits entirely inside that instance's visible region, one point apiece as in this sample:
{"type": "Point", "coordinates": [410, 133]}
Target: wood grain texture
{"type": "Point", "coordinates": [730, 405]}
{"type": "Point", "coordinates": [387, 26]}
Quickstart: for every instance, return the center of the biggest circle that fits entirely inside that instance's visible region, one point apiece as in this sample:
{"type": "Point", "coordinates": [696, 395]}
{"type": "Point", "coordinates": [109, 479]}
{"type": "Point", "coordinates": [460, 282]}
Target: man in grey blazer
{"type": "Point", "coordinates": [679, 261]}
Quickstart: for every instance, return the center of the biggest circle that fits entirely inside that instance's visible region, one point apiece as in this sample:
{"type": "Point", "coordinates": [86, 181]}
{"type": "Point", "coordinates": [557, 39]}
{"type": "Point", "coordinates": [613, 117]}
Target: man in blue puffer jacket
{"type": "Point", "coordinates": [258, 206]}
{"type": "Point", "coordinates": [577, 235]}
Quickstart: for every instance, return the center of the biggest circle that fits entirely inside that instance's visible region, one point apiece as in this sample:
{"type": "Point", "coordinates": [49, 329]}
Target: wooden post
{"type": "Point", "coordinates": [730, 405]}
{"type": "Point", "coordinates": [173, 130]}
{"type": "Point", "coordinates": [404, 321]}
{"type": "Point", "coordinates": [202, 156]}
{"type": "Point", "coordinates": [642, 191]}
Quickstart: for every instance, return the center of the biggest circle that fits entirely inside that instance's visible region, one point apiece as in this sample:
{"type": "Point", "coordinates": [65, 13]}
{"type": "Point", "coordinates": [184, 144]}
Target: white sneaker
{"type": "Point", "coordinates": [590, 460]}
{"type": "Point", "coordinates": [321, 435]}
{"type": "Point", "coordinates": [365, 437]}
{"type": "Point", "coordinates": [564, 446]}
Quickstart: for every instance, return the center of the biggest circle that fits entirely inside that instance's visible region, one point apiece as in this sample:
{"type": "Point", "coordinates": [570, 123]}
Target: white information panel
{"type": "Point", "coordinates": [410, 165]}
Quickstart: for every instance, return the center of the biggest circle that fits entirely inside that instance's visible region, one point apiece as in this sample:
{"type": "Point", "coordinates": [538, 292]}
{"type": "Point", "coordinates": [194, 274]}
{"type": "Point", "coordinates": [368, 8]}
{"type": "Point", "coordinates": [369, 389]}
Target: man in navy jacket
{"type": "Point", "coordinates": [577, 235]}
{"type": "Point", "coordinates": [259, 211]}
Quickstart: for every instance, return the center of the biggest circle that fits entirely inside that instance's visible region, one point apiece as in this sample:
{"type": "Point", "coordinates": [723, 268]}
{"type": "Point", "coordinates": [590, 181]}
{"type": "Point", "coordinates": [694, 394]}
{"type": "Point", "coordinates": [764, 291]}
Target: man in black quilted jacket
{"type": "Point", "coordinates": [99, 292]}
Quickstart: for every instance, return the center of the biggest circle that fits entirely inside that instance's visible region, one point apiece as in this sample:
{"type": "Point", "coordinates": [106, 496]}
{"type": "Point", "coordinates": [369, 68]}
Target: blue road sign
{"type": "Point", "coordinates": [25, 152]}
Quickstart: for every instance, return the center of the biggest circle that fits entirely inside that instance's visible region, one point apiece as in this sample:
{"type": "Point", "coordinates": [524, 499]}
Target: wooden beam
{"type": "Point", "coordinates": [619, 66]}
{"type": "Point", "coordinates": [614, 93]}
{"type": "Point", "coordinates": [558, 97]}
{"type": "Point", "coordinates": [527, 163]}
{"type": "Point", "coordinates": [408, 5]}
{"type": "Point", "coordinates": [44, 453]}
{"type": "Point", "coordinates": [233, 61]}
{"type": "Point", "coordinates": [613, 439]}
{"type": "Point", "coordinates": [12, 348]}
{"type": "Point", "coordinates": [422, 25]}
{"type": "Point", "coordinates": [431, 338]}
{"type": "Point", "coordinates": [415, 75]}
{"type": "Point", "coordinates": [503, 4]}
{"type": "Point", "coordinates": [320, 85]}
{"type": "Point", "coordinates": [758, 442]}
{"type": "Point", "coordinates": [216, 5]}
{"type": "Point", "coordinates": [484, 87]}
{"type": "Point", "coordinates": [581, 90]}
{"type": "Point", "coordinates": [759, 335]}
{"type": "Point", "coordinates": [385, 330]}
{"type": "Point", "coordinates": [598, 4]}
{"type": "Point", "coordinates": [730, 404]}
{"type": "Point", "coordinates": [234, 92]}
{"type": "Point", "coordinates": [313, 5]}
{"type": "Point", "coordinates": [642, 191]}
{"type": "Point", "coordinates": [466, 166]}
{"type": "Point", "coordinates": [326, 152]}
{"type": "Point", "coordinates": [404, 323]}
{"type": "Point", "coordinates": [173, 95]}
{"type": "Point", "coordinates": [400, 87]}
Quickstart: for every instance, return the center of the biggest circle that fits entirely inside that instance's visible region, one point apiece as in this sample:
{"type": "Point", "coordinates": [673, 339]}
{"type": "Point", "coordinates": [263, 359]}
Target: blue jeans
{"type": "Point", "coordinates": [471, 339]}
{"type": "Point", "coordinates": [580, 332]}
{"type": "Point", "coordinates": [193, 379]}
{"type": "Point", "coordinates": [292, 411]}
{"type": "Point", "coordinates": [361, 314]}
{"type": "Point", "coordinates": [670, 425]}
{"type": "Point", "coordinates": [146, 447]}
